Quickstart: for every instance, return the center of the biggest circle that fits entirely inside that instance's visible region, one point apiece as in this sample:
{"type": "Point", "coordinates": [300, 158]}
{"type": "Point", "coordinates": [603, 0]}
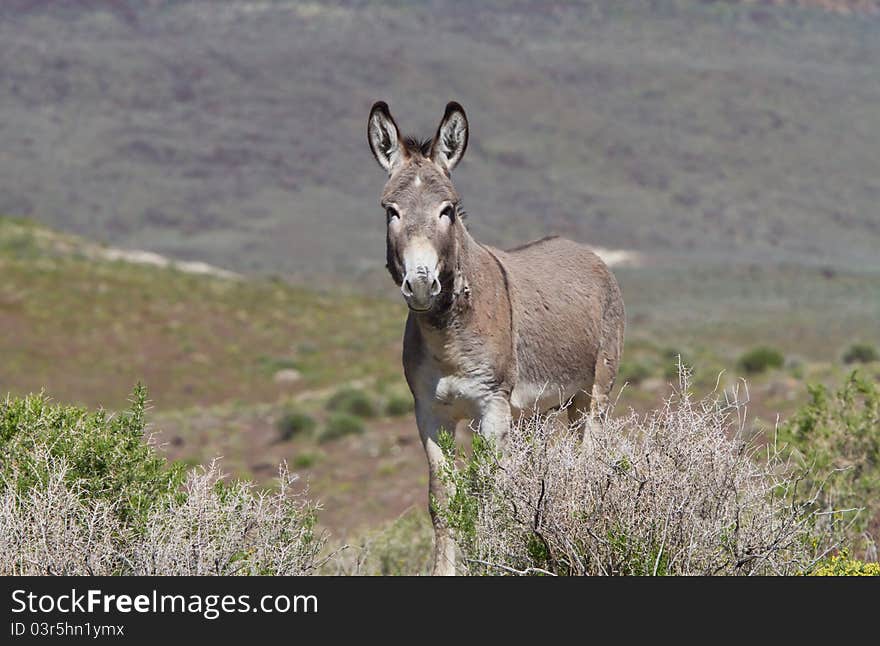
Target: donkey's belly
{"type": "Point", "coordinates": [528, 396]}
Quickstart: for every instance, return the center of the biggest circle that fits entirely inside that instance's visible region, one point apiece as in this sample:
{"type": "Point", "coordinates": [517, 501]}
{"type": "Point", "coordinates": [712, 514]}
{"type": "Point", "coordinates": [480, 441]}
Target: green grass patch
{"type": "Point", "coordinates": [294, 423]}
{"type": "Point", "coordinates": [861, 353]}
{"type": "Point", "coordinates": [399, 405]}
{"type": "Point", "coordinates": [306, 460]}
{"type": "Point", "coordinates": [340, 425]}
{"type": "Point", "coordinates": [633, 371]}
{"type": "Point", "coordinates": [353, 402]}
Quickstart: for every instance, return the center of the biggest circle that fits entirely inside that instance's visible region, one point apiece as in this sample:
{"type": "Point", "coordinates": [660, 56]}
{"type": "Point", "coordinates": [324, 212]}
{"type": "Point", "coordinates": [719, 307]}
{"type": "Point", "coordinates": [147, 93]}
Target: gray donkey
{"type": "Point", "coordinates": [490, 334]}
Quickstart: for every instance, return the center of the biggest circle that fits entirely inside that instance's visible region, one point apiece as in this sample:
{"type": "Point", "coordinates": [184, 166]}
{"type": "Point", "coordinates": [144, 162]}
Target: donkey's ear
{"type": "Point", "coordinates": [384, 137]}
{"type": "Point", "coordinates": [451, 139]}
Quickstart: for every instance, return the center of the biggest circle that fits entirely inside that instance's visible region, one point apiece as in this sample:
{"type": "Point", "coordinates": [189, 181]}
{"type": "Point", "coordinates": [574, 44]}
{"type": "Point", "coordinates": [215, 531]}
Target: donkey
{"type": "Point", "coordinates": [490, 334]}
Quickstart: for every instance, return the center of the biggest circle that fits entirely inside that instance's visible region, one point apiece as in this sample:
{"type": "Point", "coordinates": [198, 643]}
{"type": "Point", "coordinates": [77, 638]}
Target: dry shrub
{"type": "Point", "coordinates": [677, 492]}
{"type": "Point", "coordinates": [48, 529]}
{"type": "Point", "coordinates": [225, 529]}
{"type": "Point", "coordinates": [87, 493]}
{"type": "Point", "coordinates": [209, 528]}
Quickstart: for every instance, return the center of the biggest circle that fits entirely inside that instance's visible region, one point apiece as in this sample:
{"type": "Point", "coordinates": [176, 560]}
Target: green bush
{"type": "Point", "coordinates": [836, 439]}
{"type": "Point", "coordinates": [293, 423]}
{"type": "Point", "coordinates": [633, 372]}
{"type": "Point", "coordinates": [353, 402]}
{"type": "Point", "coordinates": [861, 353]}
{"type": "Point", "coordinates": [340, 425]}
{"type": "Point", "coordinates": [305, 460]}
{"type": "Point", "coordinates": [760, 360]}
{"type": "Point", "coordinates": [107, 454]}
{"type": "Point", "coordinates": [842, 565]}
{"type": "Point", "coordinates": [399, 405]}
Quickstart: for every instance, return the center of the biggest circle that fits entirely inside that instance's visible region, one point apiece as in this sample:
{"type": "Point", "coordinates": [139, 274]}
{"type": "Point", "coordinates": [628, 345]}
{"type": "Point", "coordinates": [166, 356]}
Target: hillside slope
{"type": "Point", "coordinates": [86, 329]}
{"type": "Point", "coordinates": [85, 322]}
{"type": "Point", "coordinates": [233, 132]}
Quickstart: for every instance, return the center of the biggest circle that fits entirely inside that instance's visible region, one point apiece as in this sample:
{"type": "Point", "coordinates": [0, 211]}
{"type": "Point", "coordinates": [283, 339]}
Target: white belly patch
{"type": "Point", "coordinates": [528, 396]}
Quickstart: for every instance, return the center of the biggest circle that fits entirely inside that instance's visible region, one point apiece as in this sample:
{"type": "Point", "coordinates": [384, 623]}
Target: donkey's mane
{"type": "Point", "coordinates": [418, 146]}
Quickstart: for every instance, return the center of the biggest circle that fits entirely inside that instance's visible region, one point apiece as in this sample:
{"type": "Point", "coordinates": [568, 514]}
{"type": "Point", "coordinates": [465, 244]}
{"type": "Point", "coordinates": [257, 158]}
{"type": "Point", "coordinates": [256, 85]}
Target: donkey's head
{"type": "Point", "coordinates": [421, 204]}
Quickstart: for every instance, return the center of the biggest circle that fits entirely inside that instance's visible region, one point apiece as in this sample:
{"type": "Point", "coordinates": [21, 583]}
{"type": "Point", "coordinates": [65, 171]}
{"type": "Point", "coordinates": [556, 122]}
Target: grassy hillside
{"type": "Point", "coordinates": [86, 329]}
{"type": "Point", "coordinates": [212, 350]}
{"type": "Point", "coordinates": [233, 131]}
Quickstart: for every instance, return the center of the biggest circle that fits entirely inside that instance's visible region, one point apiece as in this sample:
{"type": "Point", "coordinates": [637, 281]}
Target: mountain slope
{"type": "Point", "coordinates": [233, 132]}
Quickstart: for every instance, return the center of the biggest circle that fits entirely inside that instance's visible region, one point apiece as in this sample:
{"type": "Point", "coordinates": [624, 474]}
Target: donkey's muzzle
{"type": "Point", "coordinates": [420, 288]}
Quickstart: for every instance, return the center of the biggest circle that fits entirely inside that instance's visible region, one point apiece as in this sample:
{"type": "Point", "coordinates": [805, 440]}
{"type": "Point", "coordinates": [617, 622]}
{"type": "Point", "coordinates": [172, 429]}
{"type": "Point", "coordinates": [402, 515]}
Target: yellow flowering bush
{"type": "Point", "coordinates": [842, 565]}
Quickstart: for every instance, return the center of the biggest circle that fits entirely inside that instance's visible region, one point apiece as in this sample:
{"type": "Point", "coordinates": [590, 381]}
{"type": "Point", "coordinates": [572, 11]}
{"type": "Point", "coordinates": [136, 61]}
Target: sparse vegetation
{"type": "Point", "coordinates": [761, 359]}
{"type": "Point", "coordinates": [339, 425]}
{"type": "Point", "coordinates": [861, 353]}
{"type": "Point", "coordinates": [306, 459]}
{"type": "Point", "coordinates": [190, 336]}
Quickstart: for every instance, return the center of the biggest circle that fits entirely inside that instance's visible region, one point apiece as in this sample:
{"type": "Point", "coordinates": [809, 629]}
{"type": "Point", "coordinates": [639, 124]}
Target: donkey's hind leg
{"type": "Point", "coordinates": [590, 404]}
{"type": "Point", "coordinates": [580, 417]}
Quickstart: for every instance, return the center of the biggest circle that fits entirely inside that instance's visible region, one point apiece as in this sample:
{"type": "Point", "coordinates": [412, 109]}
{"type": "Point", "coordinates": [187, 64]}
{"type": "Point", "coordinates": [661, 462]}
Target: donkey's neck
{"type": "Point", "coordinates": [477, 294]}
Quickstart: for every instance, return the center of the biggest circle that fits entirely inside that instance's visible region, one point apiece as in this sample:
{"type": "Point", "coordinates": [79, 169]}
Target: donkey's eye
{"type": "Point", "coordinates": [448, 211]}
{"type": "Point", "coordinates": [391, 213]}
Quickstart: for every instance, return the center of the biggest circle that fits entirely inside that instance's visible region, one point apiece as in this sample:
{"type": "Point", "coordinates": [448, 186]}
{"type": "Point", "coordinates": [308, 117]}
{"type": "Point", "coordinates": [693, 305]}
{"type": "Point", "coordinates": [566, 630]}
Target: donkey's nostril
{"type": "Point", "coordinates": [406, 288]}
{"type": "Point", "coordinates": [435, 287]}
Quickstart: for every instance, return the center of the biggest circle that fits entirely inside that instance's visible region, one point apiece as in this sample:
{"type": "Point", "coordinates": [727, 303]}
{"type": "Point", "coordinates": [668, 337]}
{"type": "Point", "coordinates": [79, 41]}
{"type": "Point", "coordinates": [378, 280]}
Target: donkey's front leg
{"type": "Point", "coordinates": [495, 420]}
{"type": "Point", "coordinates": [431, 423]}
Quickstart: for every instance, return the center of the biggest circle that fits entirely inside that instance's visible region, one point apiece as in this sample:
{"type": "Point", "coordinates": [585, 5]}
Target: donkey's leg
{"type": "Point", "coordinates": [430, 426]}
{"type": "Point", "coordinates": [580, 416]}
{"type": "Point", "coordinates": [495, 420]}
{"type": "Point", "coordinates": [606, 373]}
{"type": "Point", "coordinates": [595, 405]}
{"type": "Point", "coordinates": [607, 360]}
{"type": "Point", "coordinates": [590, 404]}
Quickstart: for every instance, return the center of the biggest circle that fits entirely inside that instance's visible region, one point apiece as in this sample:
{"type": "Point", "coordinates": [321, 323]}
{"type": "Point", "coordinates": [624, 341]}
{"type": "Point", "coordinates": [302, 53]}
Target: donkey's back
{"type": "Point", "coordinates": [568, 322]}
